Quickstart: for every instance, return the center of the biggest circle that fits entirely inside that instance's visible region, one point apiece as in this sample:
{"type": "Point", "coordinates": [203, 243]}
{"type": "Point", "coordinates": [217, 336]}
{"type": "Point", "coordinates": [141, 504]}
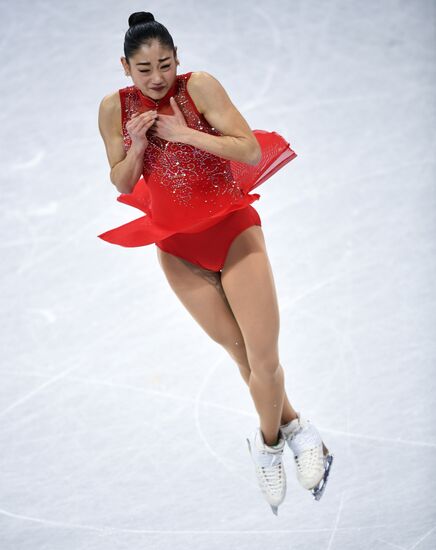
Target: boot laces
{"type": "Point", "coordinates": [272, 477]}
{"type": "Point", "coordinates": [306, 447]}
{"type": "Point", "coordinates": [271, 470]}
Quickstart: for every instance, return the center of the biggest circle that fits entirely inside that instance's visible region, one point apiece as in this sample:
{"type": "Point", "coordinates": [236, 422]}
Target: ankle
{"type": "Point", "coordinates": [272, 442]}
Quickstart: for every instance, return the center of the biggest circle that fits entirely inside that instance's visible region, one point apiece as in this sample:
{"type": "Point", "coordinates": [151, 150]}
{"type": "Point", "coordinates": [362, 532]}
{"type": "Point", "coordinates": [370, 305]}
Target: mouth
{"type": "Point", "coordinates": [159, 89]}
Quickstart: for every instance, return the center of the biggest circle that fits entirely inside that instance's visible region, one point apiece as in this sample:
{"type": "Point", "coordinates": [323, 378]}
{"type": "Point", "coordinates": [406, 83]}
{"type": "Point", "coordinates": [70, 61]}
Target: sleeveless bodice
{"type": "Point", "coordinates": [184, 181]}
{"type": "Point", "coordinates": [185, 189]}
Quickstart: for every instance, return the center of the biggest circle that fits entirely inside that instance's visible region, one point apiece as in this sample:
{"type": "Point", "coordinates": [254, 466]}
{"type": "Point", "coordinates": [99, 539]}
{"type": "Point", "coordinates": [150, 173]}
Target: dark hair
{"type": "Point", "coordinates": [143, 28]}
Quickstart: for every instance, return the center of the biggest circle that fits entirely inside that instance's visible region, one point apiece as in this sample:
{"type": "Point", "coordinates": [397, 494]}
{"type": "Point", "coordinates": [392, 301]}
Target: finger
{"type": "Point", "coordinates": [174, 105]}
{"type": "Point", "coordinates": [137, 122]}
{"type": "Point", "coordinates": [145, 115]}
{"type": "Point", "coordinates": [136, 117]}
{"type": "Point", "coordinates": [149, 113]}
{"type": "Point", "coordinates": [148, 117]}
{"type": "Point", "coordinates": [178, 113]}
{"type": "Point", "coordinates": [144, 126]}
{"type": "Point", "coordinates": [133, 126]}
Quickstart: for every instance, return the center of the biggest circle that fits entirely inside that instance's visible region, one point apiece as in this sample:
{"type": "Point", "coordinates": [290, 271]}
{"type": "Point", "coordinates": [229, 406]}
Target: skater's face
{"type": "Point", "coordinates": [153, 69]}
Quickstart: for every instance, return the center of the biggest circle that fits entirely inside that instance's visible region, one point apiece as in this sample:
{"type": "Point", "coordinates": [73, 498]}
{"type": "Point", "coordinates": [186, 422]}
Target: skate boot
{"type": "Point", "coordinates": [311, 456]}
{"type": "Point", "coordinates": [270, 471]}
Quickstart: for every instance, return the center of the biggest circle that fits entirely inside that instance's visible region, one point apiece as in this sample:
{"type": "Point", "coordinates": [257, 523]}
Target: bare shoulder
{"type": "Point", "coordinates": [110, 111]}
{"type": "Point", "coordinates": [205, 88]}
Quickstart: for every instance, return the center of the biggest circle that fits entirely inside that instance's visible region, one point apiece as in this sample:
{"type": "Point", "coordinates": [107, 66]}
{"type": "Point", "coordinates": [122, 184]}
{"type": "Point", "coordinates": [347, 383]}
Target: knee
{"type": "Point", "coordinates": [265, 365]}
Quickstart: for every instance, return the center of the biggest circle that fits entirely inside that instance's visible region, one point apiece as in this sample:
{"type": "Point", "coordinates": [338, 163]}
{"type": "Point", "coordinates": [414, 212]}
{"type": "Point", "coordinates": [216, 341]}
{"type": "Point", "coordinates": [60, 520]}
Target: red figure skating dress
{"type": "Point", "coordinates": [195, 203]}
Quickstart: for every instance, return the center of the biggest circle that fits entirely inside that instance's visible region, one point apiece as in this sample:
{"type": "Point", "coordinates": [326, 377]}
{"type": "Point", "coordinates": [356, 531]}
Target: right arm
{"type": "Point", "coordinates": [126, 169]}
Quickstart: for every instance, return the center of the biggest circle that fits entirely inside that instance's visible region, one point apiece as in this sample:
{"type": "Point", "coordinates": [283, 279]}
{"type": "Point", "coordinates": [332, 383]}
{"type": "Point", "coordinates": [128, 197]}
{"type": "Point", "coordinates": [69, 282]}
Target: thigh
{"type": "Point", "coordinates": [201, 292]}
{"type": "Point", "coordinates": [248, 282]}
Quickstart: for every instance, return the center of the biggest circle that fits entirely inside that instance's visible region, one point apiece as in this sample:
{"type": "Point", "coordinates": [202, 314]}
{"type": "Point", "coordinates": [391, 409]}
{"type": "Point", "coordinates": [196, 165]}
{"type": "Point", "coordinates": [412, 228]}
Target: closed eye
{"type": "Point", "coordinates": [163, 67]}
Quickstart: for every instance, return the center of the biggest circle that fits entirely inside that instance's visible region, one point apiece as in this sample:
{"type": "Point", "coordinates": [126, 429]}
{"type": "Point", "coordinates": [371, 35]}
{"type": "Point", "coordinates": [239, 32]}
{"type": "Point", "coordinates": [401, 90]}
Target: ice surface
{"type": "Point", "coordinates": [122, 425]}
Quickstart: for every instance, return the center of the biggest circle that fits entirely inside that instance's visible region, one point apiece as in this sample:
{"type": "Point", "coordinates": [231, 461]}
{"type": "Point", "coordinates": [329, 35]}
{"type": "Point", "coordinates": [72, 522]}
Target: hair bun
{"type": "Point", "coordinates": [140, 17]}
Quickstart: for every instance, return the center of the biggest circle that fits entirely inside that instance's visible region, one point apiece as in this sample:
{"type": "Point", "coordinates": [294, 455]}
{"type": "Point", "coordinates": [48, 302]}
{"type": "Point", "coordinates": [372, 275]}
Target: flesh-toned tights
{"type": "Point", "coordinates": [237, 307]}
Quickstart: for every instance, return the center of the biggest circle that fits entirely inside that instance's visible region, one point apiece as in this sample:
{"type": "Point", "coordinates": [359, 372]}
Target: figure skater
{"type": "Point", "coordinates": [181, 152]}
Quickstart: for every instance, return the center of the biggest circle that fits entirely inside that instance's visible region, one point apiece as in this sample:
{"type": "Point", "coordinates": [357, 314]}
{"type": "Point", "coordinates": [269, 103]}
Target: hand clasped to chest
{"type": "Point", "coordinates": [170, 127]}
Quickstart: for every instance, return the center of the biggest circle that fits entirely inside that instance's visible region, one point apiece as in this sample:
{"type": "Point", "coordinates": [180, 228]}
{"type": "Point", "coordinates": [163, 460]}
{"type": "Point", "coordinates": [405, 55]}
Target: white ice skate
{"type": "Point", "coordinates": [270, 471]}
{"type": "Point", "coordinates": [311, 456]}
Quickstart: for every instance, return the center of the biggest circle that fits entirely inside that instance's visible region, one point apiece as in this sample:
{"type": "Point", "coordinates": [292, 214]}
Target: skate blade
{"type": "Point", "coordinates": [318, 490]}
{"type": "Point", "coordinates": [249, 446]}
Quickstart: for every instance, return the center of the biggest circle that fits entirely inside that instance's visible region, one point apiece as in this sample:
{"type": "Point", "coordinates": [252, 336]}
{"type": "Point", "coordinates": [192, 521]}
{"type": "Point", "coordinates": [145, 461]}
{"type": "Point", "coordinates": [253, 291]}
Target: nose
{"type": "Point", "coordinates": [156, 79]}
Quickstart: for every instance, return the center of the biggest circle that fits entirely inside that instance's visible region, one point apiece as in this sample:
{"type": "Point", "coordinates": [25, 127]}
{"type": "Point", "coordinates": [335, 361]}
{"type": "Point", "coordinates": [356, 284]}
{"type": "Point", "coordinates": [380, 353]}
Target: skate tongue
{"type": "Point", "coordinates": [276, 446]}
{"type": "Point", "coordinates": [262, 445]}
{"type": "Point", "coordinates": [290, 427]}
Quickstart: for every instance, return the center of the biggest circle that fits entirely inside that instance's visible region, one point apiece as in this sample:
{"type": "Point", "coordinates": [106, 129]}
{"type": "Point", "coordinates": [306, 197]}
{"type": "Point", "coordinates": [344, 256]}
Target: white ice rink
{"type": "Point", "coordinates": [122, 424]}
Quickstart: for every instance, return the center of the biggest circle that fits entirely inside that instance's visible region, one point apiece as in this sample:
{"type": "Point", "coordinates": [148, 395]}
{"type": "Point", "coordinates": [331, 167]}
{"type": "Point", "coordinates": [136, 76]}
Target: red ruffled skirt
{"type": "Point", "coordinates": [276, 152]}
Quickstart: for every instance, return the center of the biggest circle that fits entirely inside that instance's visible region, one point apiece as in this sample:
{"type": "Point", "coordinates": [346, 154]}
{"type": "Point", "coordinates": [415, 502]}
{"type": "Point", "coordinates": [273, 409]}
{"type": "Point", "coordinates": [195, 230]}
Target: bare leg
{"type": "Point", "coordinates": [201, 292]}
{"type": "Point", "coordinates": [248, 282]}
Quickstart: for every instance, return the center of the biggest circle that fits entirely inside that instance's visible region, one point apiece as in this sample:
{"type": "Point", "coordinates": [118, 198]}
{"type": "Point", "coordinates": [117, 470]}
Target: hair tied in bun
{"type": "Point", "coordinates": [140, 17]}
{"type": "Point", "coordinates": [143, 30]}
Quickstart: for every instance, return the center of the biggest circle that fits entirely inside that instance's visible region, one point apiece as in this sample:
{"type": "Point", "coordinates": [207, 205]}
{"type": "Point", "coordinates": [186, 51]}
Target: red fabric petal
{"type": "Point", "coordinates": [276, 152]}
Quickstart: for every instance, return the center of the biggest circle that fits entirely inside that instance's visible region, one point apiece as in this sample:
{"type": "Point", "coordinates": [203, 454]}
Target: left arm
{"type": "Point", "coordinates": [237, 142]}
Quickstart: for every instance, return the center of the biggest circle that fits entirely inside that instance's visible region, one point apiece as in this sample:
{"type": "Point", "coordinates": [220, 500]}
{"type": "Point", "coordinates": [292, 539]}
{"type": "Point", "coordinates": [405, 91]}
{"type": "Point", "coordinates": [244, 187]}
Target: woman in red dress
{"type": "Point", "coordinates": [181, 152]}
